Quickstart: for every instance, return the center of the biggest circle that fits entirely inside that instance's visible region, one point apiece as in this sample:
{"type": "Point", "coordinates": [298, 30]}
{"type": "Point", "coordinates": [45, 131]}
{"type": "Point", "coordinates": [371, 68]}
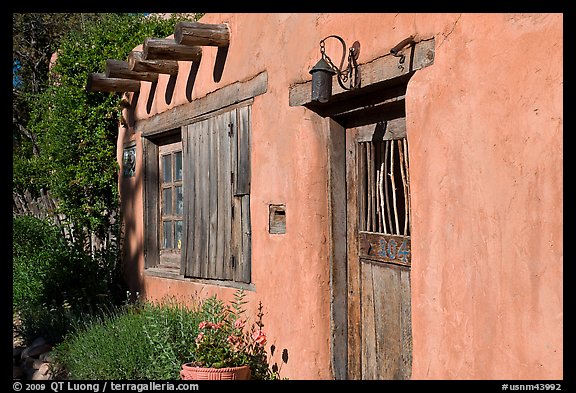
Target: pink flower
{"type": "Point", "coordinates": [239, 324]}
{"type": "Point", "coordinates": [199, 338]}
{"type": "Point", "coordinates": [259, 336]}
{"type": "Point", "coordinates": [203, 324]}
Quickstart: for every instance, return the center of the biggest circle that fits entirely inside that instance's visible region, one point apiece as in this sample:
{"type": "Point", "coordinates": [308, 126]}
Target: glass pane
{"type": "Point", "coordinates": [179, 201]}
{"type": "Point", "coordinates": [178, 165]}
{"type": "Point", "coordinates": [167, 168]}
{"type": "Point", "coordinates": [178, 234]}
{"type": "Point", "coordinates": [167, 201]}
{"type": "Point", "coordinates": [167, 235]}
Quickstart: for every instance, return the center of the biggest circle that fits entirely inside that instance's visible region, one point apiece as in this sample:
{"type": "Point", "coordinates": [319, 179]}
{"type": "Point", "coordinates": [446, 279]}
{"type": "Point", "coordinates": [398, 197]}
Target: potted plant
{"type": "Point", "coordinates": [226, 348]}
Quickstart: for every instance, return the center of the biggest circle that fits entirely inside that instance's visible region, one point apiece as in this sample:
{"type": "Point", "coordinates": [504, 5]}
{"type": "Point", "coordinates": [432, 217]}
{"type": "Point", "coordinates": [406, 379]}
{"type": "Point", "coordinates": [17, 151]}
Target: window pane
{"type": "Point", "coordinates": [178, 234]}
{"type": "Point", "coordinates": [167, 201]}
{"type": "Point", "coordinates": [167, 168]}
{"type": "Point", "coordinates": [167, 235]}
{"type": "Point", "coordinates": [178, 165]}
{"type": "Point", "coordinates": [179, 201]}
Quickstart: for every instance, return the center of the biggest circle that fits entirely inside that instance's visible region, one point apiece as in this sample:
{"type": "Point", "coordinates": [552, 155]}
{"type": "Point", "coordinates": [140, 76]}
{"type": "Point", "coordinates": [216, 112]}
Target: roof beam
{"type": "Point", "coordinates": [120, 69]}
{"type": "Point", "coordinates": [167, 49]}
{"type": "Point", "coordinates": [137, 63]}
{"type": "Point", "coordinates": [202, 34]}
{"type": "Point", "coordinates": [99, 82]}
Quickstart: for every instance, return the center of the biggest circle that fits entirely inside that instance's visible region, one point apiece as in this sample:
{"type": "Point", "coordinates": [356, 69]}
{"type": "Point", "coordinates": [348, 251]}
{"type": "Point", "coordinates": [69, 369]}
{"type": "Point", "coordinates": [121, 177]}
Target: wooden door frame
{"type": "Point", "coordinates": [337, 234]}
{"type": "Point", "coordinates": [345, 266]}
{"type": "Point", "coordinates": [350, 108]}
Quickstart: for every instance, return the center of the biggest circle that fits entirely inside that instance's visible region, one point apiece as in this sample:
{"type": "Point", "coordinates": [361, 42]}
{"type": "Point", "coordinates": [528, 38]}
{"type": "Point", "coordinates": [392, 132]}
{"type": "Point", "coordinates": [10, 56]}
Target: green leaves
{"type": "Point", "coordinates": [76, 130]}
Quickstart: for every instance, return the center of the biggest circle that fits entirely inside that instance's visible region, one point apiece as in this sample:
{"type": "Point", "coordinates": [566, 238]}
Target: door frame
{"type": "Point", "coordinates": [345, 265]}
{"type": "Point", "coordinates": [338, 244]}
{"type": "Point", "coordinates": [379, 76]}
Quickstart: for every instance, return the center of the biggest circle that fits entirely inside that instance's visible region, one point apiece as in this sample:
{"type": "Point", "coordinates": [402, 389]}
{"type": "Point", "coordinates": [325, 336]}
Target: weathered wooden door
{"type": "Point", "coordinates": [378, 237]}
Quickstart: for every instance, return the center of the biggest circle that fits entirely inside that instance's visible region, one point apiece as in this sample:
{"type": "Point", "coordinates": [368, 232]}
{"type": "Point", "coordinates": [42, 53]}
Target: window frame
{"type": "Point", "coordinates": [151, 147]}
{"type": "Point", "coordinates": [170, 264]}
{"type": "Point", "coordinates": [169, 257]}
{"type": "Point", "coordinates": [211, 263]}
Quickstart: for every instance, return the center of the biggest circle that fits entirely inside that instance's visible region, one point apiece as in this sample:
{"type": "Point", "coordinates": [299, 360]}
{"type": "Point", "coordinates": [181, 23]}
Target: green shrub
{"type": "Point", "coordinates": [143, 341]}
{"type": "Point", "coordinates": [148, 341]}
{"type": "Point", "coordinates": [36, 247]}
{"type": "Point", "coordinates": [56, 283]}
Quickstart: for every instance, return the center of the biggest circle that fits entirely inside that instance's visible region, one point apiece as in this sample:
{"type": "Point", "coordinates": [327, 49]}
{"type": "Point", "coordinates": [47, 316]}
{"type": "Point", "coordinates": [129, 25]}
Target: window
{"type": "Point", "coordinates": [171, 204]}
{"type": "Point", "coordinates": [197, 198]}
{"type": "Point", "coordinates": [217, 183]}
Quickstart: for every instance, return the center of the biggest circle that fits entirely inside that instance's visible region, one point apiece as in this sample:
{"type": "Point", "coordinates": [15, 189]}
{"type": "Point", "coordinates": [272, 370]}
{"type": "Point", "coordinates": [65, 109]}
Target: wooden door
{"type": "Point", "coordinates": [378, 237]}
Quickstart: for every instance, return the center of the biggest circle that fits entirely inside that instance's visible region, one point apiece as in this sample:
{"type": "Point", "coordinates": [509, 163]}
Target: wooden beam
{"type": "Point", "coordinates": [99, 82]}
{"type": "Point", "coordinates": [137, 63]}
{"type": "Point", "coordinates": [187, 113]}
{"type": "Point", "coordinates": [380, 70]}
{"type": "Point", "coordinates": [202, 34]}
{"type": "Point", "coordinates": [119, 69]}
{"type": "Point", "coordinates": [167, 49]}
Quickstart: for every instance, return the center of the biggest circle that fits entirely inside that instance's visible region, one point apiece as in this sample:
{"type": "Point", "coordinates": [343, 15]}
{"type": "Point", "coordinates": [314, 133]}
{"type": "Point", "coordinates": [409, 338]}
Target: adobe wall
{"type": "Point", "coordinates": [484, 126]}
{"type": "Point", "coordinates": [485, 132]}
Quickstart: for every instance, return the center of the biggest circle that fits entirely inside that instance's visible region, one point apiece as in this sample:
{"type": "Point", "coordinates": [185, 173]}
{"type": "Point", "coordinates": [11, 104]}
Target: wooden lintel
{"type": "Point", "coordinates": [187, 113]}
{"type": "Point", "coordinates": [167, 49]}
{"type": "Point", "coordinates": [379, 70]}
{"type": "Point", "coordinates": [391, 108]}
{"type": "Point", "coordinates": [120, 69]}
{"type": "Point", "coordinates": [137, 63]}
{"type": "Point", "coordinates": [100, 82]}
{"type": "Point", "coordinates": [202, 34]}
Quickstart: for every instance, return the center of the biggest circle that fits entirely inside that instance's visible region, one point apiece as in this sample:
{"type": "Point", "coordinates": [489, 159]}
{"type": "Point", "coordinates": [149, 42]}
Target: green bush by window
{"type": "Point", "coordinates": [55, 282]}
{"type": "Point", "coordinates": [143, 341]}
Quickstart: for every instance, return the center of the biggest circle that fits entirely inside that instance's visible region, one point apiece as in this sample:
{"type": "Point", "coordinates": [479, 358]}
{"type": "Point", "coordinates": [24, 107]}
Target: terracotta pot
{"type": "Point", "coordinates": [190, 372]}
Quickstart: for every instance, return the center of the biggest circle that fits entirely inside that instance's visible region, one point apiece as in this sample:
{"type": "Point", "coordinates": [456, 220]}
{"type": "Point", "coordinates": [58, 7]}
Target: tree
{"type": "Point", "coordinates": [66, 137]}
{"type": "Point", "coordinates": [35, 37]}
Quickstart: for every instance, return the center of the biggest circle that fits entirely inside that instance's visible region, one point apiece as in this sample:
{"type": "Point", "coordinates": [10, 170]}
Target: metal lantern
{"type": "Point", "coordinates": [325, 69]}
{"type": "Point", "coordinates": [322, 81]}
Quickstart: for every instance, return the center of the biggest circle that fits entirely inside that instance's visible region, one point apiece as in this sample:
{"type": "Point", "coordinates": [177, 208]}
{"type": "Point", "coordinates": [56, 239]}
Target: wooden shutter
{"type": "Point", "coordinates": [217, 208]}
{"type": "Point", "coordinates": [151, 204]}
{"type": "Point", "coordinates": [242, 233]}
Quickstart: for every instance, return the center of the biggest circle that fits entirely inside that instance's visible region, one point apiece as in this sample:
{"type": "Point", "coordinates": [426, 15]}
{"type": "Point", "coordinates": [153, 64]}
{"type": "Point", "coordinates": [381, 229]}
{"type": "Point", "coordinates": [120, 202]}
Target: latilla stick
{"type": "Point", "coordinates": [370, 181]}
{"type": "Point", "coordinates": [373, 187]}
{"type": "Point", "coordinates": [393, 187]}
{"type": "Point", "coordinates": [387, 193]}
{"type": "Point", "coordinates": [407, 179]}
{"type": "Point", "coordinates": [381, 194]}
{"type": "Point", "coordinates": [404, 186]}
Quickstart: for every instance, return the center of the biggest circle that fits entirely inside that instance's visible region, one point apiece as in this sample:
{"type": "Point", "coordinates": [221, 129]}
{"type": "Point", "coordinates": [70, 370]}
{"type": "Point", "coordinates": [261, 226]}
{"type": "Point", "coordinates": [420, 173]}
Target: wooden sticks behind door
{"type": "Point", "coordinates": [384, 192]}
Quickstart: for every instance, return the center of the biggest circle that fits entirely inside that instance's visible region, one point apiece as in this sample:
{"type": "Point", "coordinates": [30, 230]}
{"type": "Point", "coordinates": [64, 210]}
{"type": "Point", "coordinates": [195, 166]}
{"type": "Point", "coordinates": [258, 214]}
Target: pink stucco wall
{"type": "Point", "coordinates": [485, 131]}
{"type": "Point", "coordinates": [484, 126]}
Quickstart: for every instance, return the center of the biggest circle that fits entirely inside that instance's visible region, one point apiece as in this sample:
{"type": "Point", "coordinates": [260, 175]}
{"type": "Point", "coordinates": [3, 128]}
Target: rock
{"type": "Point", "coordinates": [46, 357]}
{"type": "Point", "coordinates": [17, 352]}
{"type": "Point", "coordinates": [28, 362]}
{"type": "Point", "coordinates": [32, 362]}
{"type": "Point", "coordinates": [38, 341]}
{"type": "Point", "coordinates": [35, 350]}
{"type": "Point", "coordinates": [45, 369]}
{"type": "Point", "coordinates": [37, 364]}
{"type": "Point", "coordinates": [17, 372]}
{"type": "Point", "coordinates": [42, 375]}
{"type": "Point", "coordinates": [29, 372]}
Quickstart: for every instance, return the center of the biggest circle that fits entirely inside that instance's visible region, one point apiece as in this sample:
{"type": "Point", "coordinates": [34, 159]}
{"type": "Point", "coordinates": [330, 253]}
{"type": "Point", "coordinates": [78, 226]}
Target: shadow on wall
{"type": "Point", "coordinates": [192, 79]}
{"type": "Point", "coordinates": [284, 357]}
{"type": "Point", "coordinates": [219, 63]}
{"type": "Point", "coordinates": [130, 182]}
{"type": "Point", "coordinates": [217, 72]}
